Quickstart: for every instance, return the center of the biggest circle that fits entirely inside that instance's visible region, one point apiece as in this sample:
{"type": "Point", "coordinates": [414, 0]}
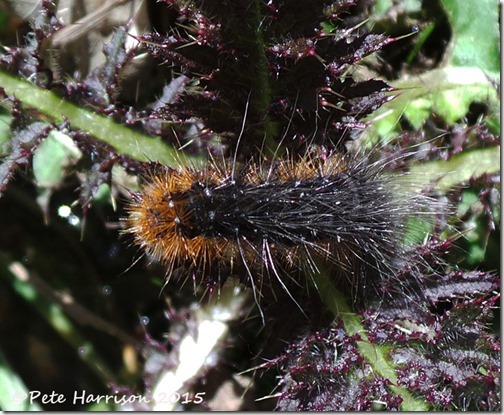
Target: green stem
{"type": "Point", "coordinates": [262, 93]}
{"type": "Point", "coordinates": [125, 140]}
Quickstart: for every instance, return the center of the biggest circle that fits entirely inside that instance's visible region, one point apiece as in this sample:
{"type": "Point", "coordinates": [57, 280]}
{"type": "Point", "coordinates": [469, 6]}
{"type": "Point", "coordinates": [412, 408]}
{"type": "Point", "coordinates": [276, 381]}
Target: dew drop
{"type": "Point", "coordinates": [114, 251]}
{"type": "Point", "coordinates": [144, 320]}
{"type": "Point", "coordinates": [74, 220]}
{"type": "Point", "coordinates": [64, 211]}
{"type": "Point", "coordinates": [106, 290]}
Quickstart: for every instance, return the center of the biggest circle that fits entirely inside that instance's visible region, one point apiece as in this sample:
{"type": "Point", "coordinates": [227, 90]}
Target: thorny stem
{"type": "Point", "coordinates": [374, 354]}
{"type": "Point", "coordinates": [244, 24]}
{"type": "Point", "coordinates": [123, 139]}
{"type": "Point", "coordinates": [261, 94]}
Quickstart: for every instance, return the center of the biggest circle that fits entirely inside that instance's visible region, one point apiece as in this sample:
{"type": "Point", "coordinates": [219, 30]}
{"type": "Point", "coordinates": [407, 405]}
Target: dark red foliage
{"type": "Point", "coordinates": [27, 133]}
{"type": "Point", "coordinates": [278, 65]}
{"type": "Point", "coordinates": [100, 88]}
{"type": "Point", "coordinates": [438, 343]}
{"type": "Point", "coordinates": [29, 61]}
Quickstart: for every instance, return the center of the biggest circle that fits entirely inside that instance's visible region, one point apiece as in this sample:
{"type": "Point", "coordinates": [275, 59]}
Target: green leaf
{"type": "Point", "coordinates": [409, 6]}
{"type": "Point", "coordinates": [5, 133]}
{"type": "Point", "coordinates": [51, 158]}
{"type": "Point", "coordinates": [422, 38]}
{"type": "Point", "coordinates": [475, 227]}
{"type": "Point", "coordinates": [13, 392]}
{"type": "Point", "coordinates": [416, 229]}
{"type": "Point", "coordinates": [459, 169]}
{"type": "Point", "coordinates": [475, 34]}
{"type": "Point", "coordinates": [447, 92]}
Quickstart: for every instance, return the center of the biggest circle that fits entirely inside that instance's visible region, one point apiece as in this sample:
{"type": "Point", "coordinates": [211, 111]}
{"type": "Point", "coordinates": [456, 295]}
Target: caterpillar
{"type": "Point", "coordinates": [275, 222]}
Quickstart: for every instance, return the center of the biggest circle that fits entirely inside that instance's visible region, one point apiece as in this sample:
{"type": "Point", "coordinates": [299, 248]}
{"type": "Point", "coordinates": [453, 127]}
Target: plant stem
{"type": "Point", "coordinates": [374, 354]}
{"type": "Point", "coordinates": [124, 140]}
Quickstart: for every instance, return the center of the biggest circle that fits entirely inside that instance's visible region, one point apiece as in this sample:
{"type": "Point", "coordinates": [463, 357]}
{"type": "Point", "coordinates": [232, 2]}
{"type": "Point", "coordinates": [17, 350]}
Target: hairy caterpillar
{"type": "Point", "coordinates": [274, 221]}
